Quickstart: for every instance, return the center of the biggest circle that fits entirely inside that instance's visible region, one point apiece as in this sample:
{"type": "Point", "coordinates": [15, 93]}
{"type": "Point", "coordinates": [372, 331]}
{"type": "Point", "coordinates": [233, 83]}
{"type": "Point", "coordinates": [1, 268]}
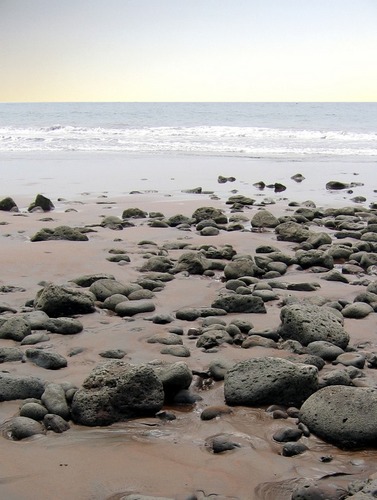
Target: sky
{"type": "Point", "coordinates": [188, 50]}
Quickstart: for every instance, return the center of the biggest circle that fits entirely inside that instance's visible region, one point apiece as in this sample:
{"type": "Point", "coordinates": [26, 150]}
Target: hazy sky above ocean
{"type": "Point", "coordinates": [188, 50]}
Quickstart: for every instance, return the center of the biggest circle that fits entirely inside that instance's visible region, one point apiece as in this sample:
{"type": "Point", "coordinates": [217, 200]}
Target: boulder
{"type": "Point", "coordinates": [205, 213]}
{"type": "Point", "coordinates": [193, 263]}
{"type": "Point", "coordinates": [57, 301]}
{"type": "Point", "coordinates": [105, 288]}
{"type": "Point", "coordinates": [55, 423]}
{"type": "Point", "coordinates": [268, 380]}
{"type": "Point", "coordinates": [308, 323]}
{"type": "Point", "coordinates": [15, 328]}
{"type": "Point", "coordinates": [116, 391]}
{"type": "Point", "coordinates": [357, 310]}
{"type": "Point", "coordinates": [10, 354]}
{"type": "Point", "coordinates": [33, 410]}
{"type": "Point", "coordinates": [65, 326]}
{"type": "Point", "coordinates": [310, 258]}
{"type": "Point", "coordinates": [134, 213]}
{"type": "Point", "coordinates": [41, 202]}
{"type": "Point", "coordinates": [240, 267]}
{"type": "Point", "coordinates": [173, 376]}
{"type": "Point", "coordinates": [342, 415]}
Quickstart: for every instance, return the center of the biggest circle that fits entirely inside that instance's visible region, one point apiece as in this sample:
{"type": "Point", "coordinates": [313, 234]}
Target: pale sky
{"type": "Point", "coordinates": [188, 50]}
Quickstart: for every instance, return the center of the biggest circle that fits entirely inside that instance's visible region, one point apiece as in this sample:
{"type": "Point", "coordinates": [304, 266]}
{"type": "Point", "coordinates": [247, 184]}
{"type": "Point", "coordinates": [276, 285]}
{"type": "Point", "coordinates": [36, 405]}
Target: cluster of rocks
{"type": "Point", "coordinates": [40, 204]}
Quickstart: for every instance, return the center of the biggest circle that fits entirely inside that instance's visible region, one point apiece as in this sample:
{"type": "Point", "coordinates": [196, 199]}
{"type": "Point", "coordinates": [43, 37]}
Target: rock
{"type": "Point", "coordinates": [212, 412]}
{"type": "Point", "coordinates": [303, 287]}
{"type": "Point", "coordinates": [134, 213]}
{"type": "Point", "coordinates": [308, 323]}
{"type": "Point", "coordinates": [293, 449]}
{"type": "Point", "coordinates": [104, 288]}
{"type": "Point", "coordinates": [344, 416]}
{"type": "Point", "coordinates": [132, 307]}
{"type": "Point", "coordinates": [88, 279]}
{"type": "Point", "coordinates": [205, 213]}
{"type": "Point", "coordinates": [213, 338]}
{"type": "Point", "coordinates": [23, 427]}
{"type": "Point", "coordinates": [10, 354]}
{"type": "Point", "coordinates": [165, 338]}
{"type": "Point", "coordinates": [179, 351]}
{"type": "Point", "coordinates": [47, 360]}
{"type": "Point", "coordinates": [55, 401]}
{"type": "Point", "coordinates": [193, 263]}
{"type": "Point", "coordinates": [319, 492]}
{"type": "Point", "coordinates": [114, 223]}
{"type": "Point", "coordinates": [42, 202]}
{"type": "Point", "coordinates": [325, 350]}
{"type": "Point", "coordinates": [174, 376]}
{"type": "Point", "coordinates": [292, 231]}
{"type": "Point", "coordinates": [336, 185]}
{"type": "Point", "coordinates": [15, 328]}
{"type": "Point", "coordinates": [57, 301]}
{"type": "Point", "coordinates": [59, 233]}
{"type": "Point", "coordinates": [269, 381]}
{"type": "Point", "coordinates": [141, 294]}
{"type": "Point", "coordinates": [55, 423]}
{"type": "Point", "coordinates": [113, 353]}
{"type": "Point", "coordinates": [310, 258]}
{"type": "Point", "coordinates": [35, 411]}
{"type": "Point", "coordinates": [240, 304]}
{"type": "Point", "coordinates": [240, 199]}
{"type": "Point", "coordinates": [357, 310]}
{"type": "Point", "coordinates": [221, 443]}
{"type": "Point", "coordinates": [239, 268]}
{"type": "Point", "coordinates": [178, 219]}
{"type": "Point", "coordinates": [287, 434]}
{"type": "Point", "coordinates": [334, 275]}
{"type": "Point", "coordinates": [298, 177]}
{"type": "Point", "coordinates": [193, 313]}
{"type": "Point", "coordinates": [335, 377]}
{"type": "Point", "coordinates": [264, 218]}
{"type": "Point", "coordinates": [356, 359]}
{"type": "Point", "coordinates": [115, 391]}
{"type": "Point", "coordinates": [8, 205]}
{"type": "Point", "coordinates": [158, 264]}
{"type": "Point", "coordinates": [35, 338]}
{"type": "Point", "coordinates": [12, 387]}
{"type": "Point", "coordinates": [65, 326]}
{"type": "Point", "coordinates": [218, 368]}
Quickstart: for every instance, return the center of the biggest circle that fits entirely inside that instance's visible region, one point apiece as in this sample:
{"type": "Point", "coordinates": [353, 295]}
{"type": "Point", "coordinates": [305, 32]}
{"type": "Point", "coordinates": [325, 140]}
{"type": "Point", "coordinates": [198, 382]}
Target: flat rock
{"type": "Point", "coordinates": [132, 307]}
{"type": "Point", "coordinates": [47, 360]}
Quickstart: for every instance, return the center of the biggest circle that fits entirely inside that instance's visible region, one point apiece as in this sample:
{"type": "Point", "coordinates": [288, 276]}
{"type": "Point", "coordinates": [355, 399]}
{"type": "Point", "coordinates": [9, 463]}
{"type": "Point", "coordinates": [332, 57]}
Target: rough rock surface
{"type": "Point", "coordinates": [58, 301]}
{"type": "Point", "coordinates": [345, 416]}
{"type": "Point", "coordinates": [308, 323]}
{"type": "Point", "coordinates": [269, 381]}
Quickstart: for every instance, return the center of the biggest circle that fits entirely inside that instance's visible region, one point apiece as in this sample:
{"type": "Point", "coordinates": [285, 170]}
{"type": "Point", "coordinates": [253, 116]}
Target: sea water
{"type": "Point", "coordinates": [272, 130]}
{"type": "Point", "coordinates": [63, 149]}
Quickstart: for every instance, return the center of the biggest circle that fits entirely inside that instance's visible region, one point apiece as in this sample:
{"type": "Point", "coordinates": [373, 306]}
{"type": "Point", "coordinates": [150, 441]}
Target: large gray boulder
{"type": "Point", "coordinates": [292, 231]}
{"type": "Point", "coordinates": [115, 391]}
{"type": "Point", "coordinates": [237, 302]}
{"type": "Point", "coordinates": [193, 263]}
{"type": "Point", "coordinates": [15, 328]}
{"type": "Point", "coordinates": [57, 301]}
{"type": "Point", "coordinates": [308, 323]}
{"type": "Point", "coordinates": [12, 387]}
{"type": "Point", "coordinates": [243, 266]}
{"type": "Point", "coordinates": [268, 380]}
{"type": "Point", "coordinates": [264, 218]}
{"type": "Point", "coordinates": [345, 416]}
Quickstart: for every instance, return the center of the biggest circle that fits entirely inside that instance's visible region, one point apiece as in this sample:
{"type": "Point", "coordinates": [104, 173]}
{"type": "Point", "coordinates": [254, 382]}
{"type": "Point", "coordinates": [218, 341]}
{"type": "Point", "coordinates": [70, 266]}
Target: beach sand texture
{"type": "Point", "coordinates": [175, 458]}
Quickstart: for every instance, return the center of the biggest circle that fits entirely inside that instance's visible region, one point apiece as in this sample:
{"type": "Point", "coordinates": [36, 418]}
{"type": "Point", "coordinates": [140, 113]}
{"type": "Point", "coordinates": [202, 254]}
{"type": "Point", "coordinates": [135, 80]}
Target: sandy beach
{"type": "Point", "coordinates": [151, 456]}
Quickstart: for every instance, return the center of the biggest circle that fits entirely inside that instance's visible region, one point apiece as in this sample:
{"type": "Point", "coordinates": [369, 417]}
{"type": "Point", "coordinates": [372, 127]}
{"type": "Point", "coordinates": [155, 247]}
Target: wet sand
{"type": "Point", "coordinates": [149, 456]}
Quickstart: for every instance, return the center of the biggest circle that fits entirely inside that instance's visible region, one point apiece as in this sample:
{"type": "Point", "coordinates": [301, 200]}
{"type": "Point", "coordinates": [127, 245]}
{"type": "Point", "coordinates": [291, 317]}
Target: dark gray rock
{"type": "Point", "coordinates": [115, 391]}
{"type": "Point", "coordinates": [104, 288]}
{"type": "Point", "coordinates": [42, 202]}
{"type": "Point", "coordinates": [55, 423]}
{"type": "Point", "coordinates": [325, 350]}
{"type": "Point", "coordinates": [12, 387]}
{"type": "Point", "coordinates": [206, 213]}
{"type": "Point", "coordinates": [88, 279]}
{"type": "Point", "coordinates": [264, 218]}
{"type": "Point", "coordinates": [174, 376]}
{"type": "Point", "coordinates": [15, 328]}
{"type": "Point", "coordinates": [213, 338]}
{"type": "Point", "coordinates": [240, 304]}
{"type": "Point", "coordinates": [55, 401]}
{"type": "Point", "coordinates": [311, 258]}
{"type": "Point", "coordinates": [308, 323]}
{"type": "Point", "coordinates": [60, 233]}
{"type": "Point", "coordinates": [113, 353]}
{"type": "Point", "coordinates": [336, 185]}
{"type": "Point", "coordinates": [218, 368]}
{"type": "Point", "coordinates": [57, 301]}
{"type": "Point", "coordinates": [8, 205]}
{"type": "Point", "coordinates": [10, 354]}
{"type": "Point", "coordinates": [292, 449]}
{"type": "Point", "coordinates": [269, 381]}
{"type": "Point", "coordinates": [35, 338]}
{"type": "Point", "coordinates": [292, 231]}
{"type": "Point", "coordinates": [65, 326]}
{"type": "Point", "coordinates": [179, 351]}
{"type": "Point", "coordinates": [32, 410]}
{"type": "Point", "coordinates": [240, 267]}
{"type": "Point", "coordinates": [47, 360]}
{"type": "Point", "coordinates": [132, 307]}
{"type": "Point", "coordinates": [344, 416]}
{"type": "Point", "coordinates": [193, 313]}
{"type": "Point", "coordinates": [23, 427]}
{"type": "Point", "coordinates": [134, 213]}
{"type": "Point", "coordinates": [193, 263]}
{"type": "Point", "coordinates": [287, 434]}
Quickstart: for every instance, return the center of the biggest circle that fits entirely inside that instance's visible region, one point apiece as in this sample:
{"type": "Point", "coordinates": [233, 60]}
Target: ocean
{"type": "Point", "coordinates": [254, 130]}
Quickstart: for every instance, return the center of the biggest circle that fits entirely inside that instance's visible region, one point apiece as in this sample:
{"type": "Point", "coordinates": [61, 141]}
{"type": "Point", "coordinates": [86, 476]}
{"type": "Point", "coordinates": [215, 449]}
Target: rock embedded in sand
{"type": "Point", "coordinates": [269, 381]}
{"type": "Point", "coordinates": [134, 213]}
{"type": "Point", "coordinates": [60, 233]}
{"type": "Point", "coordinates": [15, 328]}
{"type": "Point", "coordinates": [41, 202]}
{"type": "Point", "coordinates": [23, 427]}
{"type": "Point", "coordinates": [264, 218]}
{"type": "Point", "coordinates": [308, 323]}
{"type": "Point", "coordinates": [292, 231]}
{"type": "Point", "coordinates": [47, 360]}
{"type": "Point", "coordinates": [209, 213]}
{"type": "Point", "coordinates": [10, 354]}
{"type": "Point", "coordinates": [344, 416]}
{"type": "Point", "coordinates": [115, 391]}
{"type": "Point", "coordinates": [175, 377]}
{"type": "Point", "coordinates": [8, 205]}
{"type": "Point", "coordinates": [57, 301]}
{"type": "Point", "coordinates": [336, 185]}
{"type": "Point", "coordinates": [237, 303]}
{"type": "Point", "coordinates": [88, 279]}
{"type": "Point", "coordinates": [132, 307]}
